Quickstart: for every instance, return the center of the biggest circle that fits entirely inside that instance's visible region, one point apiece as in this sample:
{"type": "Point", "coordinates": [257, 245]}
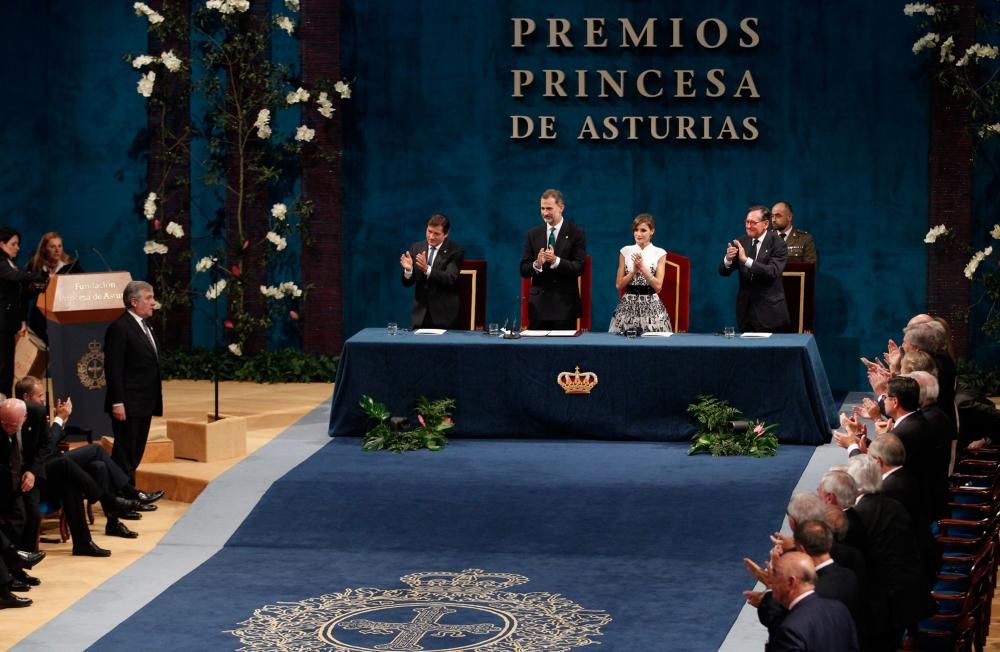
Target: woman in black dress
{"type": "Point", "coordinates": [14, 293]}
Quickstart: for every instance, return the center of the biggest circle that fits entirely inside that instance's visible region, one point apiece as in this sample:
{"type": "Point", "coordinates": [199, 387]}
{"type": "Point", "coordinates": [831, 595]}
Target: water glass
{"type": "Point", "coordinates": [392, 328]}
{"type": "Point", "coordinates": [631, 332]}
{"type": "Point", "coordinates": [493, 328]}
{"type": "Point", "coordinates": [729, 332]}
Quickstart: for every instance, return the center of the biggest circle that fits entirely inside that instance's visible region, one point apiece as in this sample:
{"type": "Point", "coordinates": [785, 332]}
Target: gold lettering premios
{"type": "Point", "coordinates": [653, 34]}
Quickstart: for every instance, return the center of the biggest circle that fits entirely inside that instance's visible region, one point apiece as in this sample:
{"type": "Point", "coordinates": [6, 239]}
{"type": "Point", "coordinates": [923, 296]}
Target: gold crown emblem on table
{"type": "Point", "coordinates": [575, 382]}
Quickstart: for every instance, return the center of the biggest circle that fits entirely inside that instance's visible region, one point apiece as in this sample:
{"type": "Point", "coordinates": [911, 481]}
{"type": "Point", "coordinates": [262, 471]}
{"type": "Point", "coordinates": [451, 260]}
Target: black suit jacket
{"type": "Point", "coordinates": [816, 624]}
{"type": "Point", "coordinates": [918, 440]}
{"type": "Point", "coordinates": [555, 294]}
{"type": "Point", "coordinates": [435, 297]}
{"type": "Point", "coordinates": [760, 301]}
{"type": "Point", "coordinates": [14, 293]}
{"type": "Point", "coordinates": [34, 451]}
{"type": "Point", "coordinates": [131, 369]}
{"type": "Point", "coordinates": [832, 581]}
{"type": "Point", "coordinates": [896, 595]}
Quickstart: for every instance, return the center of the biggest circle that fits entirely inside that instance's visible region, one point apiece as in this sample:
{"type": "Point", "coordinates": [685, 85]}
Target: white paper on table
{"type": "Point", "coordinates": [530, 333]}
{"type": "Point", "coordinates": [658, 334]}
{"type": "Point", "coordinates": [562, 333]}
{"type": "Point", "coordinates": [751, 336]}
{"type": "Point", "coordinates": [430, 331]}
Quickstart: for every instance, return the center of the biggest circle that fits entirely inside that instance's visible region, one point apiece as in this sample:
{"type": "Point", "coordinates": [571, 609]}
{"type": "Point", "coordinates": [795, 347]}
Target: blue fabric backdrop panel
{"type": "Point", "coordinates": [842, 115]}
{"type": "Point", "coordinates": [509, 388]}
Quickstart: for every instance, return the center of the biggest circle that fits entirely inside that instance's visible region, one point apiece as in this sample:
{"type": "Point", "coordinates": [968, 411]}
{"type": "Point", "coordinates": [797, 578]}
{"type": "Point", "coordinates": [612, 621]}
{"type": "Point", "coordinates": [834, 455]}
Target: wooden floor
{"type": "Point", "coordinates": [65, 579]}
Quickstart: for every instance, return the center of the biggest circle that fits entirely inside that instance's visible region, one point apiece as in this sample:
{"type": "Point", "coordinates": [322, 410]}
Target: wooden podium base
{"type": "Point", "coordinates": [157, 450]}
{"type": "Point", "coordinates": [209, 441]}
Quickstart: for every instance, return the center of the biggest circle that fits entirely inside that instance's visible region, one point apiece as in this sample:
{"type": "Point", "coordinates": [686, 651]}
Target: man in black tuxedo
{"type": "Point", "coordinates": [438, 263]}
{"type": "Point", "coordinates": [132, 370]}
{"type": "Point", "coordinates": [897, 593]}
{"type": "Point", "coordinates": [814, 623]}
{"type": "Point", "coordinates": [554, 256]}
{"type": "Point", "coordinates": [759, 256]}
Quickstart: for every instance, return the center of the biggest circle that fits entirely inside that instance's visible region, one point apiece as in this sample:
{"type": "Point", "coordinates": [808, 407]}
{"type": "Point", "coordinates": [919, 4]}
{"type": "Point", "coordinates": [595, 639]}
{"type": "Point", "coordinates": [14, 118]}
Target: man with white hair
{"type": "Point", "coordinates": [942, 436]}
{"type": "Point", "coordinates": [931, 340]}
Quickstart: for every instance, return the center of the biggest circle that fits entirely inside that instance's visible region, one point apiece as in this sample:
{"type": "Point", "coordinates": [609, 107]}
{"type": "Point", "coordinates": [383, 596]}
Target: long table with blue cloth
{"type": "Point", "coordinates": [508, 388]}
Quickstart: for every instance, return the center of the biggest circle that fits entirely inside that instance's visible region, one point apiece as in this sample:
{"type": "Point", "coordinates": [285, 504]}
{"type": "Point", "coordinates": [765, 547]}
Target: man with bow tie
{"type": "Point", "coordinates": [432, 267]}
{"type": "Point", "coordinates": [759, 257]}
{"type": "Point", "coordinates": [132, 371]}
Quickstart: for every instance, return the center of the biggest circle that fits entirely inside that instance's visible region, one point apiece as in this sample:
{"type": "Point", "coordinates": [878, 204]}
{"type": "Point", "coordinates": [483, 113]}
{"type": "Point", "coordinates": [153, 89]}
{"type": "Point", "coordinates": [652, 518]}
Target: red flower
{"type": "Point", "coordinates": [420, 418]}
{"type": "Point", "coordinates": [235, 269]}
{"type": "Point", "coordinates": [294, 315]}
{"type": "Point", "coordinates": [228, 324]}
{"type": "Point", "coordinates": [156, 225]}
{"type": "Point", "coordinates": [246, 243]}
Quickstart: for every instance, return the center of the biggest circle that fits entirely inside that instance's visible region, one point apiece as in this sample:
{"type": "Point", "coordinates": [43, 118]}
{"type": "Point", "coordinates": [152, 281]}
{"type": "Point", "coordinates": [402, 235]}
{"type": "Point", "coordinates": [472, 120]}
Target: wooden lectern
{"type": "Point", "coordinates": [78, 308]}
{"type": "Point", "coordinates": [799, 280]}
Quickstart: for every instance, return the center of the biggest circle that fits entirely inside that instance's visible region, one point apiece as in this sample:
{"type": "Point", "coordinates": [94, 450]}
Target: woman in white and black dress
{"type": "Point", "coordinates": [640, 272]}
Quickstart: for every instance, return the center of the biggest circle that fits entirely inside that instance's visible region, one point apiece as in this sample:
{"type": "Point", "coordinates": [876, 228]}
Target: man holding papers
{"type": "Point", "coordinates": [759, 256]}
{"type": "Point", "coordinates": [432, 266]}
{"type": "Point", "coordinates": [554, 255]}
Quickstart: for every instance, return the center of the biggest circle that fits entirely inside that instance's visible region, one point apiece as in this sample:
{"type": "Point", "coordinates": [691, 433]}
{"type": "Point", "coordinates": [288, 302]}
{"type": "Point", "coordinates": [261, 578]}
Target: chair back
{"type": "Point", "coordinates": [472, 295]}
{"type": "Point", "coordinates": [583, 284]}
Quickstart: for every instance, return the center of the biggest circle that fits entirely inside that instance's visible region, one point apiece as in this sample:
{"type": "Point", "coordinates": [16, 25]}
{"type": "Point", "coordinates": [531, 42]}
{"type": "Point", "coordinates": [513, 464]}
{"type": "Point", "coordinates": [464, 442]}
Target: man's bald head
{"type": "Point", "coordinates": [793, 575]}
{"type": "Point", "coordinates": [12, 415]}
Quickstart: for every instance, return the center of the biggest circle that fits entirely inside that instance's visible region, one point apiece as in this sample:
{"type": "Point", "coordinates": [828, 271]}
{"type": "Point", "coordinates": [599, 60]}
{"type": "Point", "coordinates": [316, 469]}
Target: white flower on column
{"type": "Point", "coordinates": [279, 211]}
{"type": "Point", "coordinates": [935, 233]}
{"type": "Point", "coordinates": [275, 239]}
{"type": "Point", "coordinates": [325, 105]}
{"type": "Point", "coordinates": [142, 60]}
{"type": "Point", "coordinates": [293, 5]}
{"type": "Point", "coordinates": [175, 230]}
{"type": "Point", "coordinates": [204, 264]}
{"type": "Point", "coordinates": [228, 6]}
{"type": "Point", "coordinates": [153, 247]}
{"type": "Point", "coordinates": [215, 289]}
{"type": "Point", "coordinates": [170, 60]}
{"type": "Point", "coordinates": [919, 8]}
{"type": "Point", "coordinates": [995, 232]}
{"type": "Point", "coordinates": [285, 23]}
{"type": "Point", "coordinates": [299, 95]}
{"type": "Point", "coordinates": [927, 41]}
{"type": "Point", "coordinates": [977, 258]}
{"type": "Point", "coordinates": [149, 206]}
{"type": "Point", "coordinates": [142, 9]}
{"type": "Point", "coordinates": [263, 128]}
{"type": "Point", "coordinates": [304, 134]}
{"type": "Point", "coordinates": [343, 89]}
{"type": "Point", "coordinates": [145, 85]}
{"type": "Point", "coordinates": [291, 288]}
{"type": "Point", "coordinates": [271, 291]}
{"type": "Point", "coordinates": [235, 349]}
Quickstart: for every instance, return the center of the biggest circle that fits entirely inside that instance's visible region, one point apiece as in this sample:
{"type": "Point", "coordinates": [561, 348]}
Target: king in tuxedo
{"type": "Point", "coordinates": [432, 267]}
{"type": "Point", "coordinates": [759, 257]}
{"type": "Point", "coordinates": [554, 256]}
{"type": "Point", "coordinates": [132, 370]}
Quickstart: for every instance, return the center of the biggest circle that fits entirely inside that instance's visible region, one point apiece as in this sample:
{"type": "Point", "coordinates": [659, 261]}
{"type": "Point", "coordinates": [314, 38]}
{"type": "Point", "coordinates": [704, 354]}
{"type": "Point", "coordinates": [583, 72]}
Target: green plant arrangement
{"type": "Point", "coordinates": [715, 435]}
{"type": "Point", "coordinates": [283, 366]}
{"type": "Point", "coordinates": [394, 433]}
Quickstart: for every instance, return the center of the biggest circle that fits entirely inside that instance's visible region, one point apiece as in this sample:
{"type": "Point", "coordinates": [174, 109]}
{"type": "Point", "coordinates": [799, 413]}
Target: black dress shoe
{"type": "Point", "coordinates": [19, 586]}
{"type": "Point", "coordinates": [145, 507]}
{"type": "Point", "coordinates": [91, 549]}
{"type": "Point", "coordinates": [124, 505]}
{"type": "Point", "coordinates": [151, 497]}
{"type": "Point", "coordinates": [8, 600]}
{"type": "Point", "coordinates": [30, 580]}
{"type": "Point", "coordinates": [118, 529]}
{"type": "Point", "coordinates": [130, 516]}
{"type": "Point", "coordinates": [27, 560]}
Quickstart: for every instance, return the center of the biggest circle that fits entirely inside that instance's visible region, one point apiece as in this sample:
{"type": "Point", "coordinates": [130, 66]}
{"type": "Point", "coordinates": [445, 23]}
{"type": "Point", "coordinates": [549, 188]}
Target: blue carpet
{"type": "Point", "coordinates": [637, 530]}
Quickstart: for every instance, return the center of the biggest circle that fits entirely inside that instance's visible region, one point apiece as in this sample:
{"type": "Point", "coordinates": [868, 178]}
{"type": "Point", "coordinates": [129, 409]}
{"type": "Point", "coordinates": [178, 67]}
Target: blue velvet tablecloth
{"type": "Point", "coordinates": [508, 388]}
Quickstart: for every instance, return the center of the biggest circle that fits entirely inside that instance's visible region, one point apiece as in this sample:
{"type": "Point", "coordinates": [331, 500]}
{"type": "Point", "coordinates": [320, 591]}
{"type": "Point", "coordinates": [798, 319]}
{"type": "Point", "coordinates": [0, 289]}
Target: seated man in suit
{"type": "Point", "coordinates": [553, 258]}
{"type": "Point", "coordinates": [801, 246]}
{"type": "Point", "coordinates": [814, 623]}
{"type": "Point", "coordinates": [759, 257]}
{"type": "Point", "coordinates": [438, 263]}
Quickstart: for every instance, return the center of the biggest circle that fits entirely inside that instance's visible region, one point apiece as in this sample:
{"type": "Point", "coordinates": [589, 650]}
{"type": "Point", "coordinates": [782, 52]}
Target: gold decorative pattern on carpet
{"type": "Point", "coordinates": [440, 612]}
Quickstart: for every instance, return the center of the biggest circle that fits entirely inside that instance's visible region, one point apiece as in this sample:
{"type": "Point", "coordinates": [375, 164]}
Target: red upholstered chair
{"type": "Point", "coordinates": [472, 294]}
{"type": "Point", "coordinates": [676, 291]}
{"type": "Point", "coordinates": [583, 283]}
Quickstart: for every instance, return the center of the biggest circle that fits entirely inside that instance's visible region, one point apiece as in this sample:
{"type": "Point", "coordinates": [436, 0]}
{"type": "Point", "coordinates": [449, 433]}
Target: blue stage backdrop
{"type": "Point", "coordinates": [841, 120]}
